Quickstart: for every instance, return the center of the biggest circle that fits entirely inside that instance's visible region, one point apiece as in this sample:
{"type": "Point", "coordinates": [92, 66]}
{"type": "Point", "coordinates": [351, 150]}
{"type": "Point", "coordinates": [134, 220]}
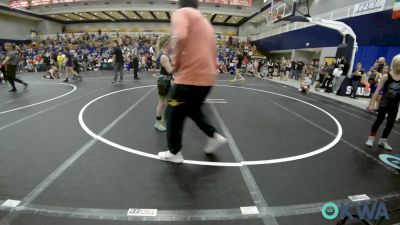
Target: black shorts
{"type": "Point", "coordinates": [163, 85]}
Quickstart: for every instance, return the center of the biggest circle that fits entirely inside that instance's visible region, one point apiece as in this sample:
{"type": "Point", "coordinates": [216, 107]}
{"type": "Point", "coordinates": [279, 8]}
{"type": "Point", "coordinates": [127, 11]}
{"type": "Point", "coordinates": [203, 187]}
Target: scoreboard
{"type": "Point", "coordinates": [19, 3]}
{"type": "Point", "coordinates": [28, 3]}
{"type": "Point", "coordinates": [40, 2]}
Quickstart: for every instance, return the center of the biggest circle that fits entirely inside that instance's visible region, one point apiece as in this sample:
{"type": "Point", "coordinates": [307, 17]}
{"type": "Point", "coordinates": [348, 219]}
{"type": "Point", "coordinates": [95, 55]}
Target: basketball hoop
{"type": "Point", "coordinates": [271, 17]}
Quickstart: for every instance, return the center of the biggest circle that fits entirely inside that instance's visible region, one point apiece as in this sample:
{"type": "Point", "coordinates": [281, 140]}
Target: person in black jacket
{"type": "Point", "coordinates": [135, 66]}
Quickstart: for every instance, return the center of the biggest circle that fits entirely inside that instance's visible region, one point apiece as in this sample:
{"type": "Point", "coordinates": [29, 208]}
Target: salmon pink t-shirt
{"type": "Point", "coordinates": [196, 53]}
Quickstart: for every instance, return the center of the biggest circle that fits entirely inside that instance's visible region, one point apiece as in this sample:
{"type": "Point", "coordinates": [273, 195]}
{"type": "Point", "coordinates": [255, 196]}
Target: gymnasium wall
{"type": "Point", "coordinates": [367, 55]}
{"type": "Point", "coordinates": [317, 7]}
{"type": "Point", "coordinates": [16, 28]}
{"type": "Point", "coordinates": [322, 6]}
{"type": "Point", "coordinates": [248, 29]}
{"type": "Point", "coordinates": [49, 27]}
{"type": "Point", "coordinates": [279, 55]}
{"type": "Point", "coordinates": [137, 27]}
{"type": "Point", "coordinates": [327, 52]}
{"type": "Point", "coordinates": [372, 29]}
{"type": "Point", "coordinates": [306, 56]}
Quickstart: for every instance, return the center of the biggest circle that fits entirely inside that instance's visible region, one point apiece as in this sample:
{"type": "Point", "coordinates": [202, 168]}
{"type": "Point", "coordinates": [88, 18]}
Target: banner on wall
{"type": "Point", "coordinates": [396, 10]}
{"type": "Point", "coordinates": [19, 3]}
{"type": "Point", "coordinates": [367, 7]}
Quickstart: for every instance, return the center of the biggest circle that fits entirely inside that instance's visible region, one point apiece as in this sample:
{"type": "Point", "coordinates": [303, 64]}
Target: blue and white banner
{"type": "Point", "coordinates": [367, 7]}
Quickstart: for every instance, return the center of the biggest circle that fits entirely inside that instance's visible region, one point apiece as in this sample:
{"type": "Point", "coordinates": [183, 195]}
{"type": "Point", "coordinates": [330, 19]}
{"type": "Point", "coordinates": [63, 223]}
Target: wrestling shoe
{"type": "Point", "coordinates": [370, 142]}
{"type": "Point", "coordinates": [169, 157]}
{"type": "Point", "coordinates": [159, 126]}
{"type": "Point", "coordinates": [214, 143]}
{"type": "Point", "coordinates": [383, 143]}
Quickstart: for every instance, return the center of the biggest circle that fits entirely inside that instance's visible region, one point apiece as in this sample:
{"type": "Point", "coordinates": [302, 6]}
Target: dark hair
{"type": "Point", "coordinates": [116, 42]}
{"type": "Point", "coordinates": [188, 3]}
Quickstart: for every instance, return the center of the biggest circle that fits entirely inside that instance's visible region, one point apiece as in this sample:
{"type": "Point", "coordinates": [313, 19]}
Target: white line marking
{"type": "Point", "coordinates": [248, 177]}
{"type": "Point", "coordinates": [31, 196]}
{"type": "Point", "coordinates": [203, 163]}
{"type": "Point", "coordinates": [182, 215]}
{"type": "Point", "coordinates": [211, 100]}
{"type": "Point", "coordinates": [333, 135]}
{"type": "Point", "coordinates": [25, 95]}
{"type": "Point", "coordinates": [45, 110]}
{"type": "Point", "coordinates": [38, 103]}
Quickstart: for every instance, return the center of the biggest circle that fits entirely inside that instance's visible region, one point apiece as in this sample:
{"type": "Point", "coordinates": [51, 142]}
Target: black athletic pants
{"type": "Point", "coordinates": [135, 71]}
{"type": "Point", "coordinates": [11, 75]}
{"type": "Point", "coordinates": [185, 101]}
{"type": "Point", "coordinates": [391, 111]}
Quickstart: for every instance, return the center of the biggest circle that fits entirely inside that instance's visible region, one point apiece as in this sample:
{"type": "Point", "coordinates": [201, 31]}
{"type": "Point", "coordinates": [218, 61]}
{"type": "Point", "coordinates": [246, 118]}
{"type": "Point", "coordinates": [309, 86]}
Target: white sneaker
{"type": "Point", "coordinates": [370, 142]}
{"type": "Point", "coordinates": [168, 156]}
{"type": "Point", "coordinates": [383, 143]}
{"type": "Point", "coordinates": [159, 126]}
{"type": "Point", "coordinates": [214, 143]}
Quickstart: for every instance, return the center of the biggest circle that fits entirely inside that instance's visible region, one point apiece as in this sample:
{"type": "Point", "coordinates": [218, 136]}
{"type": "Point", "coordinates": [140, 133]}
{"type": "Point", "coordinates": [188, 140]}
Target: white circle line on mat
{"type": "Point", "coordinates": [205, 163]}
{"type": "Point", "coordinates": [38, 103]}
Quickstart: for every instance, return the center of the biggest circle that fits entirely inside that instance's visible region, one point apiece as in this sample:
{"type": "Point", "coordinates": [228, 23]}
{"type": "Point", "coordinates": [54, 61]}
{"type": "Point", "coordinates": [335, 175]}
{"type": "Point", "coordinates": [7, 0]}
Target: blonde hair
{"type": "Point", "coordinates": [8, 46]}
{"type": "Point", "coordinates": [162, 41]}
{"type": "Point", "coordinates": [395, 67]}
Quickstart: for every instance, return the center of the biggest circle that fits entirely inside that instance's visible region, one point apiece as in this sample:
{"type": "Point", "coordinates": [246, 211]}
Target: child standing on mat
{"type": "Point", "coordinates": [389, 104]}
{"type": "Point", "coordinates": [164, 80]}
{"type": "Point", "coordinates": [238, 67]}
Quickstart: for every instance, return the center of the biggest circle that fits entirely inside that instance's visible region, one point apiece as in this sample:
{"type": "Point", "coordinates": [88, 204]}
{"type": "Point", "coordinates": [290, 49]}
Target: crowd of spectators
{"type": "Point", "coordinates": [92, 51]}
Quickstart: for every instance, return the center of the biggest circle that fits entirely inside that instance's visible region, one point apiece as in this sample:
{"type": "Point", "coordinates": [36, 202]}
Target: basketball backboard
{"type": "Point", "coordinates": [282, 10]}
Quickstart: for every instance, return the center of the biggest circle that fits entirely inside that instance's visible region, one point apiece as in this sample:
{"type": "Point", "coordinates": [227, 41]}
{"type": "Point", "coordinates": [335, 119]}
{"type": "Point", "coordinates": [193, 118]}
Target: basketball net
{"type": "Point", "coordinates": [271, 17]}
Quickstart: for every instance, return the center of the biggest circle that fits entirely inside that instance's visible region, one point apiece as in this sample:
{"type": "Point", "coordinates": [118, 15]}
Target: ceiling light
{"type": "Point", "coordinates": [52, 15]}
{"type": "Point", "coordinates": [110, 12]}
{"type": "Point", "coordinates": [121, 17]}
{"type": "Point", "coordinates": [141, 12]}
{"type": "Point", "coordinates": [135, 17]}
{"type": "Point", "coordinates": [94, 18]}
{"type": "Point", "coordinates": [67, 19]}
{"type": "Point", "coordinates": [80, 18]}
{"type": "Point", "coordinates": [95, 13]}
{"type": "Point", "coordinates": [235, 17]}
